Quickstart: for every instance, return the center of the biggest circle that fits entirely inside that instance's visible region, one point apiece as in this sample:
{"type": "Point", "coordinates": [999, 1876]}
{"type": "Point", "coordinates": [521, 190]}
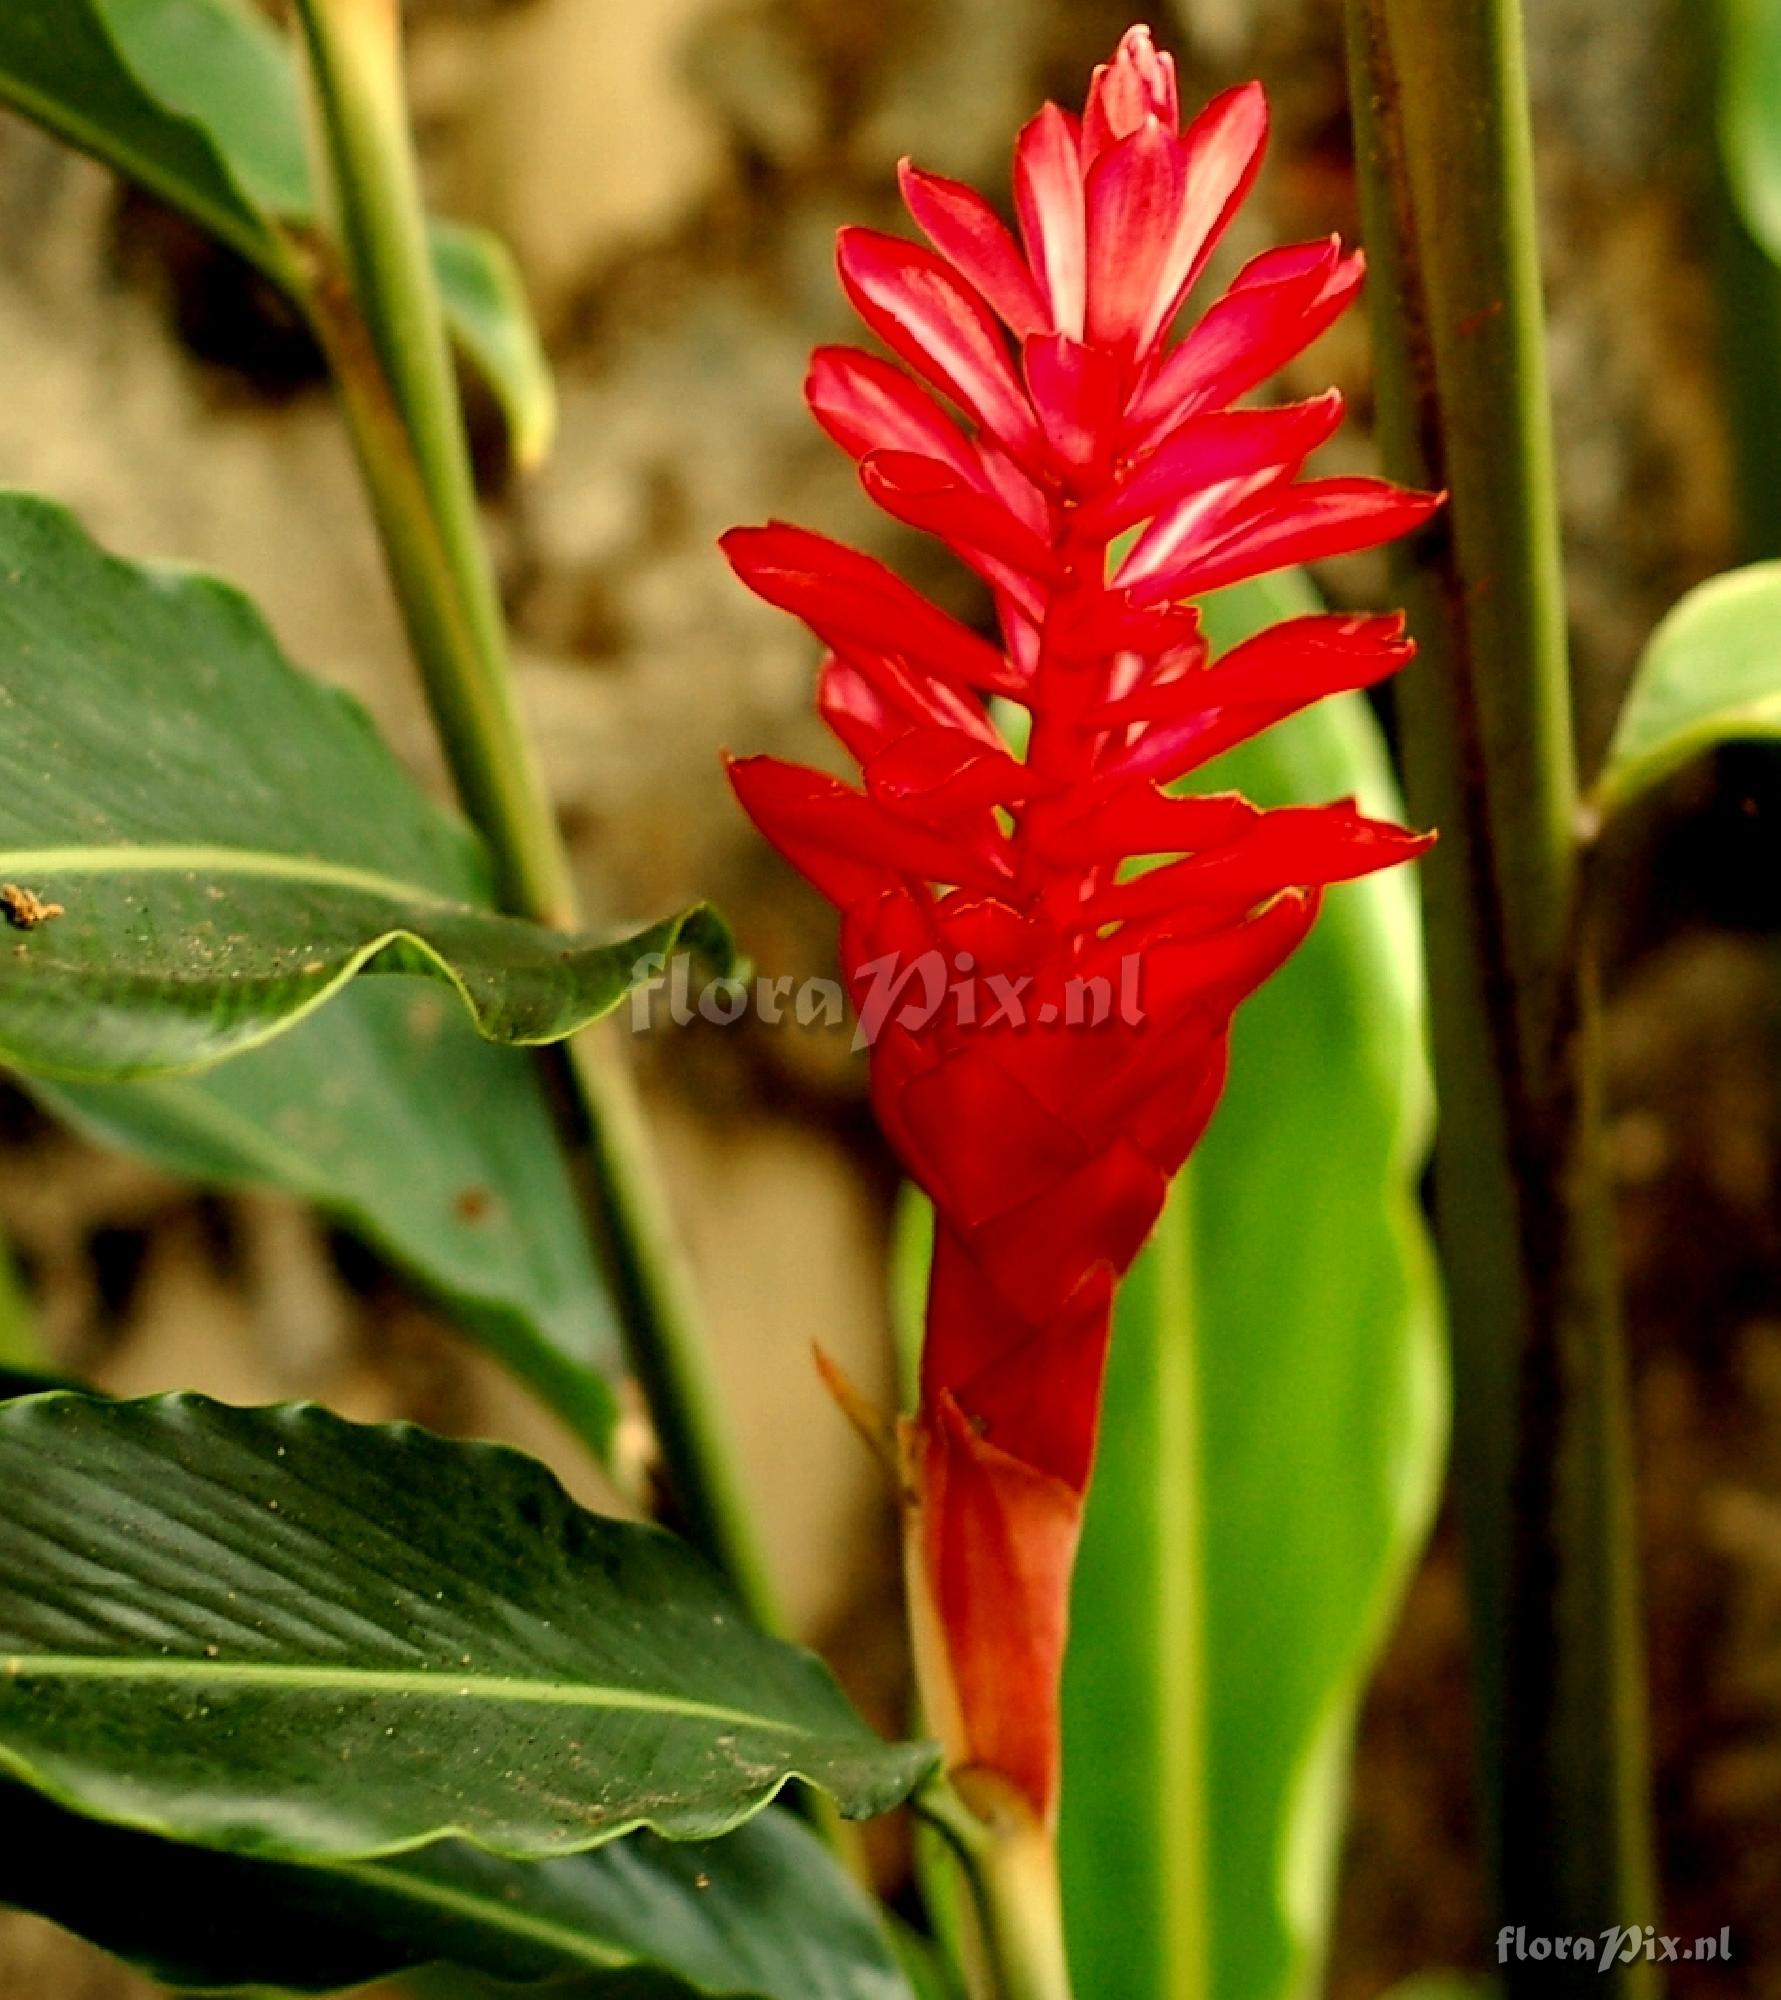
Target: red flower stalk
{"type": "Point", "coordinates": [989, 918]}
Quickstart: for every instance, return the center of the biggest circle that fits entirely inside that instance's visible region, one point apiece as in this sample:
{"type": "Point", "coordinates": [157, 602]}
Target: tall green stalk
{"type": "Point", "coordinates": [378, 313]}
{"type": "Point", "coordinates": [1523, 1213]}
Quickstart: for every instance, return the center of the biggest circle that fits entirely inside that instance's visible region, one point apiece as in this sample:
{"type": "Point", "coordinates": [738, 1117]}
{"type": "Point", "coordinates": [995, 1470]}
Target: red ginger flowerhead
{"type": "Point", "coordinates": [1048, 1030]}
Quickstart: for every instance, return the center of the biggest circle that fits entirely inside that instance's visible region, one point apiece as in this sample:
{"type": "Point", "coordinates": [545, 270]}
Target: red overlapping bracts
{"type": "Point", "coordinates": [1048, 1026]}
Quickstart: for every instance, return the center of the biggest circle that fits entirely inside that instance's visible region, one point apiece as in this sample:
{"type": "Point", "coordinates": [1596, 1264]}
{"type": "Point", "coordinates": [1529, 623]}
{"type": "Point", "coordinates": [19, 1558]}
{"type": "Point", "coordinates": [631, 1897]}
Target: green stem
{"type": "Point", "coordinates": [1522, 1207]}
{"type": "Point", "coordinates": [1010, 1862]}
{"type": "Point", "coordinates": [1180, 1585]}
{"type": "Point", "coordinates": [667, 1350]}
{"type": "Point", "coordinates": [378, 314]}
{"type": "Point", "coordinates": [366, 168]}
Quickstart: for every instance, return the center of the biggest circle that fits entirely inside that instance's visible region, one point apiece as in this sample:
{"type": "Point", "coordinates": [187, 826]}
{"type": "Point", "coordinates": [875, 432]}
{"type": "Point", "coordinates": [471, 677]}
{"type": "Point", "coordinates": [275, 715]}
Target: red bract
{"type": "Point", "coordinates": [1047, 1026]}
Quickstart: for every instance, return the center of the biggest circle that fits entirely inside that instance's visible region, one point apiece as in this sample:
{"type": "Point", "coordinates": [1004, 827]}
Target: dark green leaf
{"type": "Point", "coordinates": [291, 1637]}
{"type": "Point", "coordinates": [229, 841]}
{"type": "Point", "coordinates": [1272, 1441]}
{"type": "Point", "coordinates": [222, 69]}
{"type": "Point", "coordinates": [763, 1912]}
{"type": "Point", "coordinates": [485, 301]}
{"type": "Point", "coordinates": [60, 66]}
{"type": "Point", "coordinates": [1709, 674]}
{"type": "Point", "coordinates": [387, 1111]}
{"type": "Point", "coordinates": [199, 102]}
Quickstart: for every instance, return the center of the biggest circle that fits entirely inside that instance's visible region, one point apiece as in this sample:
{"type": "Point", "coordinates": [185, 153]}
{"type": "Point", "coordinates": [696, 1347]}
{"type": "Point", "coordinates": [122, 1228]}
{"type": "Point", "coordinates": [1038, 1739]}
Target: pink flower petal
{"type": "Point", "coordinates": [866, 404]}
{"type": "Point", "coordinates": [915, 303]}
{"type": "Point", "coordinates": [948, 773]}
{"type": "Point", "coordinates": [850, 599]}
{"type": "Point", "coordinates": [1075, 390]}
{"type": "Point", "coordinates": [798, 808]}
{"type": "Point", "coordinates": [970, 235]}
{"type": "Point", "coordinates": [1275, 308]}
{"type": "Point", "coordinates": [1135, 818]}
{"type": "Point", "coordinates": [1193, 524]}
{"type": "Point", "coordinates": [1183, 722]}
{"type": "Point", "coordinates": [926, 494]}
{"type": "Point", "coordinates": [1135, 192]}
{"type": "Point", "coordinates": [1292, 846]}
{"type": "Point", "coordinates": [1221, 152]}
{"type": "Point", "coordinates": [1053, 220]}
{"type": "Point", "coordinates": [1310, 522]}
{"type": "Point", "coordinates": [1208, 450]}
{"type": "Point", "coordinates": [1138, 83]}
{"type": "Point", "coordinates": [871, 699]}
{"type": "Point", "coordinates": [764, 786]}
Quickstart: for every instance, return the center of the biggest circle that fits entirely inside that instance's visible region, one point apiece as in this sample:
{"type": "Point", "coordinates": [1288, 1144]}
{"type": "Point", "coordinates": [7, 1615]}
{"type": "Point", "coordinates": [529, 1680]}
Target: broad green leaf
{"type": "Point", "coordinates": [60, 66]}
{"type": "Point", "coordinates": [1750, 114]}
{"type": "Point", "coordinates": [1709, 674]}
{"type": "Point", "coordinates": [294, 1638]}
{"type": "Point", "coordinates": [223, 70]}
{"type": "Point", "coordinates": [199, 102]}
{"type": "Point", "coordinates": [763, 1912]}
{"type": "Point", "coordinates": [492, 323]}
{"type": "Point", "coordinates": [389, 1113]}
{"type": "Point", "coordinates": [1270, 1452]}
{"type": "Point", "coordinates": [229, 842]}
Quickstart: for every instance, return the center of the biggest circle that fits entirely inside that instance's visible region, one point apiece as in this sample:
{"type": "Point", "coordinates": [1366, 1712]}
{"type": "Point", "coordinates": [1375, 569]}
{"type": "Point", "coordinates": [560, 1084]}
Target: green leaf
{"type": "Point", "coordinates": [294, 1638]}
{"type": "Point", "coordinates": [1709, 674]}
{"type": "Point", "coordinates": [491, 321]}
{"type": "Point", "coordinates": [222, 70]}
{"type": "Point", "coordinates": [389, 1113]}
{"type": "Point", "coordinates": [199, 102]}
{"type": "Point", "coordinates": [1750, 114]}
{"type": "Point", "coordinates": [60, 67]}
{"type": "Point", "coordinates": [229, 841]}
{"type": "Point", "coordinates": [19, 1345]}
{"type": "Point", "coordinates": [1272, 1441]}
{"type": "Point", "coordinates": [764, 1912]}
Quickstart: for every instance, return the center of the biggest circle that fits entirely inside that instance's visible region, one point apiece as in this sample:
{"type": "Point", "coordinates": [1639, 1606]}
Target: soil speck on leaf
{"type": "Point", "coordinates": [24, 909]}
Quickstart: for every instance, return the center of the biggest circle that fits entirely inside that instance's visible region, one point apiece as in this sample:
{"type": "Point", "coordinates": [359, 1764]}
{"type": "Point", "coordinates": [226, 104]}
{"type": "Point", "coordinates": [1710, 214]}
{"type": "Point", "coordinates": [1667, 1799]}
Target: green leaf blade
{"type": "Point", "coordinates": [1273, 1434]}
{"type": "Point", "coordinates": [763, 1912]}
{"type": "Point", "coordinates": [60, 67]}
{"type": "Point", "coordinates": [1709, 674]}
{"type": "Point", "coordinates": [387, 1112]}
{"type": "Point", "coordinates": [298, 1639]}
{"type": "Point", "coordinates": [199, 102]}
{"type": "Point", "coordinates": [229, 841]}
{"type": "Point", "coordinates": [485, 302]}
{"type": "Point", "coordinates": [1750, 115]}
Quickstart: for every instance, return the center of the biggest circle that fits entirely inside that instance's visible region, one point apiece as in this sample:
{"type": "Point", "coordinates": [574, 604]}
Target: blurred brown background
{"type": "Point", "coordinates": [671, 176]}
